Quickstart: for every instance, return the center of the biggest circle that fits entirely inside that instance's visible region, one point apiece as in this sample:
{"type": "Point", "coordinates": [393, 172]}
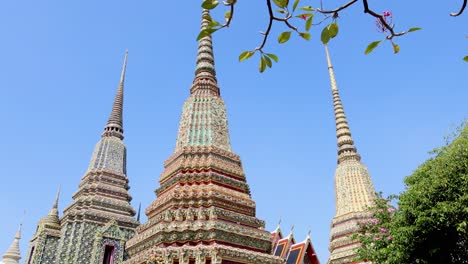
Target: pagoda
{"type": "Point", "coordinates": [354, 191]}
{"type": "Point", "coordinates": [203, 212]}
{"type": "Point", "coordinates": [44, 243]}
{"type": "Point", "coordinates": [13, 255]}
{"type": "Point", "coordinates": [100, 219]}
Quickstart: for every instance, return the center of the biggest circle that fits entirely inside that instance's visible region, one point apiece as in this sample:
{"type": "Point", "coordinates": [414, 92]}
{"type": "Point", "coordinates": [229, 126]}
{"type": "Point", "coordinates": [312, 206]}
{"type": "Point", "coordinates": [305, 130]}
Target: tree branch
{"type": "Point", "coordinates": [270, 24]}
{"type": "Point", "coordinates": [338, 9]}
{"type": "Point", "coordinates": [382, 21]}
{"type": "Point", "coordinates": [321, 21]}
{"type": "Point", "coordinates": [231, 15]}
{"type": "Point", "coordinates": [461, 9]}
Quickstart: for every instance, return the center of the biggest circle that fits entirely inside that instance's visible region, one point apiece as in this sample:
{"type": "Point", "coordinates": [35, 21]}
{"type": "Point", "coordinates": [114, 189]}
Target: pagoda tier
{"type": "Point", "coordinates": [203, 212]}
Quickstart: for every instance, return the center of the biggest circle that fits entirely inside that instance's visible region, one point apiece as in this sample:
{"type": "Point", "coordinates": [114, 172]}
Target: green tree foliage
{"type": "Point", "coordinates": [375, 236]}
{"type": "Point", "coordinates": [431, 222]}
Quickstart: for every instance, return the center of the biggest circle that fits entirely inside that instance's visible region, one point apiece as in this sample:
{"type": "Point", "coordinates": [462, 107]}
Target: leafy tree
{"type": "Point", "coordinates": [293, 12]}
{"type": "Point", "coordinates": [375, 232]}
{"type": "Point", "coordinates": [431, 222]}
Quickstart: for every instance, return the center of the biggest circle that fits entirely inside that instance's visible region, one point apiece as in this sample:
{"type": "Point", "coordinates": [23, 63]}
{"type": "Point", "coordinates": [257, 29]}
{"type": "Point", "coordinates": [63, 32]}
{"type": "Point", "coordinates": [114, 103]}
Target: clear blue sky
{"type": "Point", "coordinates": [60, 67]}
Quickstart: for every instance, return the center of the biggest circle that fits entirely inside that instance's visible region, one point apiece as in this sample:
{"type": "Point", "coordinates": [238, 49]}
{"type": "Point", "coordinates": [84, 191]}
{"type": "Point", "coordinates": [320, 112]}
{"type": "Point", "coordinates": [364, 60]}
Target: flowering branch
{"type": "Point", "coordinates": [383, 21]}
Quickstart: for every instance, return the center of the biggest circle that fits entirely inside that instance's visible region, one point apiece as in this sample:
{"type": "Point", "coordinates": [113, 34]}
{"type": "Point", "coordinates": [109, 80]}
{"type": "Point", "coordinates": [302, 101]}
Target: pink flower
{"type": "Point", "coordinates": [391, 210]}
{"type": "Point", "coordinates": [389, 238]}
{"type": "Point", "coordinates": [387, 17]}
{"type": "Point", "coordinates": [383, 230]}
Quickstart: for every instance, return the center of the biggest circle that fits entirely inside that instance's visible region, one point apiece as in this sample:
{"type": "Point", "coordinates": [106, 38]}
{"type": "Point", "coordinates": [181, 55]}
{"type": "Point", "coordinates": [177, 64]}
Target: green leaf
{"type": "Point", "coordinates": [284, 37]}
{"type": "Point", "coordinates": [308, 24]}
{"type": "Point", "coordinates": [325, 36]}
{"type": "Point", "coordinates": [414, 29]}
{"type": "Point", "coordinates": [466, 58]}
{"type": "Point", "coordinates": [333, 29]}
{"type": "Point", "coordinates": [272, 56]}
{"type": "Point", "coordinates": [281, 3]}
{"type": "Point", "coordinates": [210, 4]}
{"type": "Point", "coordinates": [305, 35]}
{"type": "Point", "coordinates": [268, 61]}
{"type": "Point", "coordinates": [307, 8]}
{"type": "Point", "coordinates": [213, 23]}
{"type": "Point", "coordinates": [245, 55]}
{"type": "Point", "coordinates": [372, 46]}
{"type": "Point", "coordinates": [227, 15]}
{"type": "Point", "coordinates": [262, 65]}
{"type": "Point", "coordinates": [206, 32]}
{"type": "Point", "coordinates": [295, 5]}
{"type": "Point", "coordinates": [396, 48]}
{"type": "Point", "coordinates": [281, 11]}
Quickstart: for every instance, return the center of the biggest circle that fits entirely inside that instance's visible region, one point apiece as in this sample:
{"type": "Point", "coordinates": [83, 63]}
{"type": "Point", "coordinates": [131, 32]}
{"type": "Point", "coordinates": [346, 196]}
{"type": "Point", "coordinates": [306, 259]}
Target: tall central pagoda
{"type": "Point", "coordinates": [203, 212]}
{"type": "Point", "coordinates": [353, 186]}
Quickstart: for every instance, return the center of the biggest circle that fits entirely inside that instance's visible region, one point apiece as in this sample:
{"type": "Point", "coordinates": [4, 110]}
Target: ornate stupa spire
{"type": "Point", "coordinates": [52, 217]}
{"type": "Point", "coordinates": [57, 197]}
{"type": "Point", "coordinates": [203, 212]}
{"type": "Point", "coordinates": [101, 214]}
{"type": "Point", "coordinates": [13, 255]}
{"type": "Point", "coordinates": [346, 148]}
{"type": "Point", "coordinates": [114, 125]}
{"type": "Point", "coordinates": [204, 121]}
{"type": "Point", "coordinates": [353, 186]}
{"type": "Point", "coordinates": [205, 73]}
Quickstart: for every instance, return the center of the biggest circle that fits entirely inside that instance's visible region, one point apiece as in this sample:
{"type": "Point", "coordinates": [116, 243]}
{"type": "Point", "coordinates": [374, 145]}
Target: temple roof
{"type": "Point", "coordinates": [292, 252]}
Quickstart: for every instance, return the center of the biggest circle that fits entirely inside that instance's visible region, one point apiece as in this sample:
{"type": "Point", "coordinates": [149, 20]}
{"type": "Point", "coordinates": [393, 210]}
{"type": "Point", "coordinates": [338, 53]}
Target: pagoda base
{"type": "Point", "coordinates": [202, 254]}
